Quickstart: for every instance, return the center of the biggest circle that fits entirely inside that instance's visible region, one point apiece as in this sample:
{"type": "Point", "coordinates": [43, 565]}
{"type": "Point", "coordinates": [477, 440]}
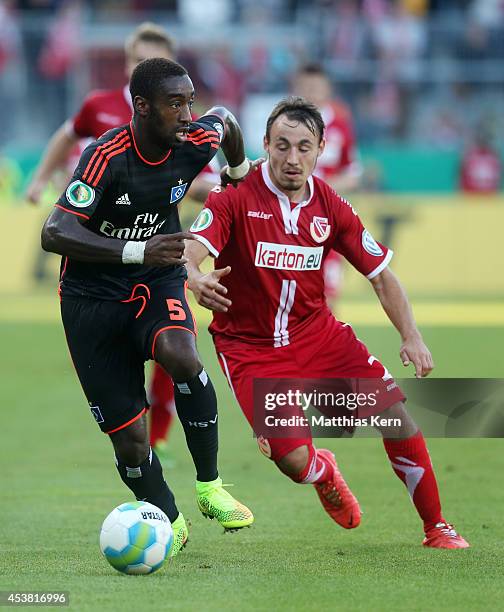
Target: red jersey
{"type": "Point", "coordinates": [481, 171]}
{"type": "Point", "coordinates": [276, 254]}
{"type": "Point", "coordinates": [339, 153]}
{"type": "Point", "coordinates": [102, 110]}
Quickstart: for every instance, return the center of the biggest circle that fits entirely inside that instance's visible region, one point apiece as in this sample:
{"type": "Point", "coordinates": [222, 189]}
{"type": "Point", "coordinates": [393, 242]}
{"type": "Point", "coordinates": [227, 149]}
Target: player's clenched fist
{"type": "Point", "coordinates": [208, 290]}
{"type": "Point", "coordinates": [166, 249]}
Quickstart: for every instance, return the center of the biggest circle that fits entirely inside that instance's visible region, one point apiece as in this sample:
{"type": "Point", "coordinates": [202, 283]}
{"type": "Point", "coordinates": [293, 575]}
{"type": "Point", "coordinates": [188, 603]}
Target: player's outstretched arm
{"type": "Point", "coordinates": [396, 305]}
{"type": "Point", "coordinates": [64, 234]}
{"type": "Point", "coordinates": [207, 289]}
{"type": "Point", "coordinates": [54, 157]}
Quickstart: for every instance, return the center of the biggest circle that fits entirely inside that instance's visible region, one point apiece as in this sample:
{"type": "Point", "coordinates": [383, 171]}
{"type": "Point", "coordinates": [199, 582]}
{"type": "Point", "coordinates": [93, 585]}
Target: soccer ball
{"type": "Point", "coordinates": [136, 538]}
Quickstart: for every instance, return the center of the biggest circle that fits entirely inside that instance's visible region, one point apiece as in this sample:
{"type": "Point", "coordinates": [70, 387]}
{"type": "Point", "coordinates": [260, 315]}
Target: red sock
{"type": "Point", "coordinates": [162, 405]}
{"type": "Point", "coordinates": [317, 469]}
{"type": "Point", "coordinates": [411, 462]}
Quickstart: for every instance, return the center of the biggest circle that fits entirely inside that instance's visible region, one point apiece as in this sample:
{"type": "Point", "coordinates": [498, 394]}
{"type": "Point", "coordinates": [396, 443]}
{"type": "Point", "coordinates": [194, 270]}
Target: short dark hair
{"type": "Point", "coordinates": [148, 76]}
{"type": "Point", "coordinates": [298, 109]}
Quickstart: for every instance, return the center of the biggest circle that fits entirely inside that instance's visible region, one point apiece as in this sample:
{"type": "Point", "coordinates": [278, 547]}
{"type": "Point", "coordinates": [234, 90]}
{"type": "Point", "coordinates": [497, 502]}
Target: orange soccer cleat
{"type": "Point", "coordinates": [442, 535]}
{"type": "Point", "coordinates": [338, 501]}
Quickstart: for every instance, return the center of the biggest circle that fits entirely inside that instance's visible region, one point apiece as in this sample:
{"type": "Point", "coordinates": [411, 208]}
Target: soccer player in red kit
{"type": "Point", "coordinates": [270, 237]}
{"type": "Point", "coordinates": [101, 111]}
{"type": "Point", "coordinates": [338, 165]}
{"type": "Point", "coordinates": [481, 167]}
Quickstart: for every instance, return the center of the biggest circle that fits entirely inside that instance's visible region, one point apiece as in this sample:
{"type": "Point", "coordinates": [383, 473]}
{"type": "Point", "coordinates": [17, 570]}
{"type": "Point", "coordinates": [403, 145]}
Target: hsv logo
{"type": "Point", "coordinates": [177, 192]}
{"type": "Point", "coordinates": [320, 229]}
{"type": "Point", "coordinates": [288, 257]}
{"type": "Point", "coordinates": [258, 214]}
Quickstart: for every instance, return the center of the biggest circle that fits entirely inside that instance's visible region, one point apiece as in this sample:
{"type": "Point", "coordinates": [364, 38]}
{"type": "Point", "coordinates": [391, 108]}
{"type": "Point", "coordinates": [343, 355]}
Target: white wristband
{"type": "Point", "coordinates": [238, 172]}
{"type": "Point", "coordinates": [133, 252]}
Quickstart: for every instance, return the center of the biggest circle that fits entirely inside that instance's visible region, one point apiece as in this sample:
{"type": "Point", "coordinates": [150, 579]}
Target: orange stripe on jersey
{"type": "Point", "coordinates": [204, 135]}
{"type": "Point", "coordinates": [107, 159]}
{"type": "Point", "coordinates": [98, 150]}
{"type": "Point", "coordinates": [72, 212]}
{"type": "Point", "coordinates": [198, 131]}
{"type": "Point", "coordinates": [103, 156]}
{"type": "Point", "coordinates": [212, 139]}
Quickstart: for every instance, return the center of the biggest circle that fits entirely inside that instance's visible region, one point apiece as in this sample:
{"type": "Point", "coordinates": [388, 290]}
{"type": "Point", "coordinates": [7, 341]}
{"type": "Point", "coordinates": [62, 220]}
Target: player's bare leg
{"type": "Point", "coordinates": [408, 455]}
{"type": "Point", "coordinates": [141, 472]}
{"type": "Point", "coordinates": [196, 403]}
{"type": "Point", "coordinates": [308, 465]}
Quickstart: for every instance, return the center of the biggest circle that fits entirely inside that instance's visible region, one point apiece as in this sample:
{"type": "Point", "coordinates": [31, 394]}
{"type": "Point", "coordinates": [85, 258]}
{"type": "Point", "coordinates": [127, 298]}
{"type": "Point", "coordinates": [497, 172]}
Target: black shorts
{"type": "Point", "coordinates": [110, 341]}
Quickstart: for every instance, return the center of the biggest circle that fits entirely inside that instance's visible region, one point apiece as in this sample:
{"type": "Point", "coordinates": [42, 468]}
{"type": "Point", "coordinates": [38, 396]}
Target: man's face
{"type": "Point", "coordinates": [142, 51]}
{"type": "Point", "coordinates": [313, 87]}
{"type": "Point", "coordinates": [293, 151]}
{"type": "Point", "coordinates": [169, 113]}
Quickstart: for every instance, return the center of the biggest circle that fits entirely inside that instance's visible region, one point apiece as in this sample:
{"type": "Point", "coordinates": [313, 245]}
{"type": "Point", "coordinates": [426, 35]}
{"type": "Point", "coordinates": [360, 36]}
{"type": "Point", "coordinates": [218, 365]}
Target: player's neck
{"type": "Point", "coordinates": [296, 196]}
{"type": "Point", "coordinates": [147, 150]}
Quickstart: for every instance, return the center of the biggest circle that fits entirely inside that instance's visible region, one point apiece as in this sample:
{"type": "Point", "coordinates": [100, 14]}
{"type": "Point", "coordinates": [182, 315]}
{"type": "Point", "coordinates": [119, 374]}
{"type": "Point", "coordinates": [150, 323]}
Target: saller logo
{"type": "Point", "coordinates": [288, 257]}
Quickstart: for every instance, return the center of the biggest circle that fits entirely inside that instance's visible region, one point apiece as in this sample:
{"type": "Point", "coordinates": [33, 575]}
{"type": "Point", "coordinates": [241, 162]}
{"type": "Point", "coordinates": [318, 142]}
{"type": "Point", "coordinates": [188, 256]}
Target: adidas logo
{"type": "Point", "coordinates": [124, 199]}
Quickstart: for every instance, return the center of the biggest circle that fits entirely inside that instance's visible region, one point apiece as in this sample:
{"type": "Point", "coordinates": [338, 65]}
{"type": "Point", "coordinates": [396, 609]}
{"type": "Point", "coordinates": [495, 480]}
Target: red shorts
{"type": "Point", "coordinates": [326, 349]}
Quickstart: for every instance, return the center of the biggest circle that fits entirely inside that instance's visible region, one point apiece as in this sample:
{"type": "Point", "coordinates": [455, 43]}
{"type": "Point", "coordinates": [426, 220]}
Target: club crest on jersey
{"type": "Point", "coordinates": [370, 245]}
{"type": "Point", "coordinates": [79, 194]}
{"type": "Point", "coordinates": [320, 229]}
{"type": "Point", "coordinates": [202, 221]}
{"type": "Point", "coordinates": [178, 192]}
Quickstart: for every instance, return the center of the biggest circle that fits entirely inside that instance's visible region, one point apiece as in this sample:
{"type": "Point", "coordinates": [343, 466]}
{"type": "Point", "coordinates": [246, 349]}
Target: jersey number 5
{"type": "Point", "coordinates": [176, 310]}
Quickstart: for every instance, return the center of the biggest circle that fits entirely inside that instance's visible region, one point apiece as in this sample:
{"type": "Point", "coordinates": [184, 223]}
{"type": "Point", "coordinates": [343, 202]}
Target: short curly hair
{"type": "Point", "coordinates": [298, 109]}
{"type": "Point", "coordinates": [147, 78]}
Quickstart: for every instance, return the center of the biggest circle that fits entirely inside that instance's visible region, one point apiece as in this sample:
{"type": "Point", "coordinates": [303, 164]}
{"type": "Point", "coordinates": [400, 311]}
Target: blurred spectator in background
{"type": "Point", "coordinates": [338, 165]}
{"type": "Point", "coordinates": [399, 39]}
{"type": "Point", "coordinates": [11, 76]}
{"type": "Point", "coordinates": [481, 167]}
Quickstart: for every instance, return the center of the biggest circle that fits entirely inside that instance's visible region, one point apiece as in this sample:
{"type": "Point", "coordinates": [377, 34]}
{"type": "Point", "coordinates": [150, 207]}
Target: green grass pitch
{"type": "Point", "coordinates": [59, 482]}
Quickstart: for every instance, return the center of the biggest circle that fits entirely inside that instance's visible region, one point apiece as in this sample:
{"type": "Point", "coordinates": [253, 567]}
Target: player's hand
{"type": "Point", "coordinates": [227, 180]}
{"type": "Point", "coordinates": [413, 350]}
{"type": "Point", "coordinates": [34, 191]}
{"type": "Point", "coordinates": [208, 290]}
{"type": "Point", "coordinates": [166, 249]}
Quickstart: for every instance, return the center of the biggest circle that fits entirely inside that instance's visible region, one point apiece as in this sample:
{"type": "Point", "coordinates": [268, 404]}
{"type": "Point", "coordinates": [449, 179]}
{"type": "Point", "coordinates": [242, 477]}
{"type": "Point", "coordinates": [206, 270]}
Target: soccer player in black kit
{"type": "Point", "coordinates": [122, 283]}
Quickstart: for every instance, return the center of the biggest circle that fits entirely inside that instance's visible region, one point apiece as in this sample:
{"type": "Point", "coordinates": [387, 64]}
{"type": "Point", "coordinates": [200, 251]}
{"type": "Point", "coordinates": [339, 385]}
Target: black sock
{"type": "Point", "coordinates": [196, 404]}
{"type": "Point", "coordinates": [147, 483]}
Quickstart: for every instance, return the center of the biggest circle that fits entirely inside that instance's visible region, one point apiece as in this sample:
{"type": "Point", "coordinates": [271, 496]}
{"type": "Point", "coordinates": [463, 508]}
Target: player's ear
{"type": "Point", "coordinates": [266, 144]}
{"type": "Point", "coordinates": [141, 106]}
{"type": "Point", "coordinates": [321, 147]}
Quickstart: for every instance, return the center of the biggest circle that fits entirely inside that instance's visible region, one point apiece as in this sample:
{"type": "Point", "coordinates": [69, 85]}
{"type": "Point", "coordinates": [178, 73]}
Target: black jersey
{"type": "Point", "coordinates": [120, 195]}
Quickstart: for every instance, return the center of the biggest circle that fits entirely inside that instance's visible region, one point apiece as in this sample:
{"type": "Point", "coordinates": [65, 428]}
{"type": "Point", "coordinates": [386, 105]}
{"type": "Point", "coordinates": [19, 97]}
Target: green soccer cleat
{"type": "Point", "coordinates": [180, 535]}
{"type": "Point", "coordinates": [215, 502]}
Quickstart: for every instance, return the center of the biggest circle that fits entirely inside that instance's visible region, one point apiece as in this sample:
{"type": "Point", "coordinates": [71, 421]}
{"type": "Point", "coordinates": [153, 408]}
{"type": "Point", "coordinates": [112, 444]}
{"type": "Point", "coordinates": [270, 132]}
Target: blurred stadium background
{"type": "Point", "coordinates": [423, 79]}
